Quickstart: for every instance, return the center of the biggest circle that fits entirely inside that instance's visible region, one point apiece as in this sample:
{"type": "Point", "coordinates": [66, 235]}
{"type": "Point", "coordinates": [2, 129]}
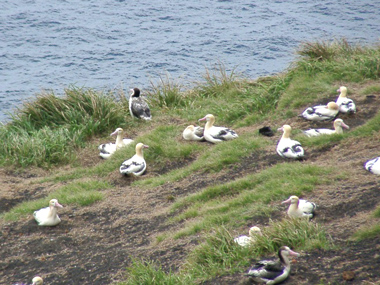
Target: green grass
{"type": "Point", "coordinates": [369, 232]}
{"type": "Point", "coordinates": [78, 193]}
{"type": "Point", "coordinates": [151, 273]}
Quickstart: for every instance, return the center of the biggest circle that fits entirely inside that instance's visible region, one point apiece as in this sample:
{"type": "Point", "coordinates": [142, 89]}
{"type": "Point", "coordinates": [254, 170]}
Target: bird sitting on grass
{"type": "Point", "coordinates": [270, 271]}
{"type": "Point", "coordinates": [136, 165]}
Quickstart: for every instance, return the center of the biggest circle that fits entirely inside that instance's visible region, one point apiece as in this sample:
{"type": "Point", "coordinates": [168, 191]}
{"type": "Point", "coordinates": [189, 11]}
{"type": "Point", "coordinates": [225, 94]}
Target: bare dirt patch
{"type": "Point", "coordinates": [94, 245]}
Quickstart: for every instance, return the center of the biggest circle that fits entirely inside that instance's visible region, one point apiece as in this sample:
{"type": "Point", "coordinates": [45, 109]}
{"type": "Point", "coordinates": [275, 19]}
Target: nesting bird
{"type": "Point", "coordinates": [373, 165]}
{"type": "Point", "coordinates": [321, 112]}
{"type": "Point", "coordinates": [338, 129]}
{"type": "Point", "coordinates": [48, 216]}
{"type": "Point", "coordinates": [107, 149]}
{"type": "Point", "coordinates": [287, 147]}
{"type": "Point", "coordinates": [300, 208]}
{"type": "Point", "coordinates": [138, 108]}
{"type": "Point", "coordinates": [248, 240]}
{"type": "Point", "coordinates": [215, 134]}
{"type": "Point", "coordinates": [136, 165]}
{"type": "Point", "coordinates": [193, 133]}
{"type": "Point", "coordinates": [345, 104]}
{"type": "Point", "coordinates": [273, 272]}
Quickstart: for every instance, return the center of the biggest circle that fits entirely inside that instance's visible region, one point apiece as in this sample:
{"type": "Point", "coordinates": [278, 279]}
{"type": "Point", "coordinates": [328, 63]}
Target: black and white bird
{"type": "Point", "coordinates": [338, 129]}
{"type": "Point", "coordinates": [271, 271]}
{"type": "Point", "coordinates": [138, 107]}
{"type": "Point", "coordinates": [48, 216]}
{"type": "Point", "coordinates": [193, 133]}
{"type": "Point", "coordinates": [345, 104]}
{"type": "Point", "coordinates": [216, 134]}
{"type": "Point", "coordinates": [107, 149]}
{"type": "Point", "coordinates": [287, 147]}
{"type": "Point", "coordinates": [321, 112]}
{"type": "Point", "coordinates": [136, 165]}
{"type": "Point", "coordinates": [300, 208]}
{"type": "Point", "coordinates": [373, 165]}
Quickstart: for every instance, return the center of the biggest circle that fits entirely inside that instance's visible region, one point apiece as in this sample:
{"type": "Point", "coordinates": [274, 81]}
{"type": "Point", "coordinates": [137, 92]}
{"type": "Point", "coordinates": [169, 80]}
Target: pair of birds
{"type": "Point", "coordinates": [136, 165]}
{"type": "Point", "coordinates": [299, 208]}
{"type": "Point", "coordinates": [209, 133]}
{"type": "Point", "coordinates": [289, 148]}
{"type": "Point", "coordinates": [268, 271]}
{"type": "Point", "coordinates": [331, 110]}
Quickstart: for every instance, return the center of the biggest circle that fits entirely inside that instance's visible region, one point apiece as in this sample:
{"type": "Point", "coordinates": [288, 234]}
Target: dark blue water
{"type": "Point", "coordinates": [124, 44]}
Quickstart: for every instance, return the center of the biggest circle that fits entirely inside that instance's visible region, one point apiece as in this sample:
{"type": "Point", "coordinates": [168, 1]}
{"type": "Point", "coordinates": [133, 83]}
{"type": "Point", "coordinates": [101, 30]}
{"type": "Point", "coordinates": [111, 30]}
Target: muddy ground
{"type": "Point", "coordinates": [94, 245]}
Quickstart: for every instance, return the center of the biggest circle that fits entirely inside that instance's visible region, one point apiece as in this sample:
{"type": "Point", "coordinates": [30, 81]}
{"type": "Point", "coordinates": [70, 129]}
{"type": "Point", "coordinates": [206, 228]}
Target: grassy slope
{"type": "Point", "coordinates": [49, 127]}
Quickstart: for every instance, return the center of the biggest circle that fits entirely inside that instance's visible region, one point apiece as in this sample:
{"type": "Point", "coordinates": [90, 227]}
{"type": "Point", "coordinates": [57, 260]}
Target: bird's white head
{"type": "Point", "coordinates": [54, 203]}
{"type": "Point", "coordinates": [291, 200]}
{"type": "Point", "coordinates": [37, 280]}
{"type": "Point", "coordinates": [117, 132]}
{"type": "Point", "coordinates": [343, 91]}
{"type": "Point", "coordinates": [208, 117]}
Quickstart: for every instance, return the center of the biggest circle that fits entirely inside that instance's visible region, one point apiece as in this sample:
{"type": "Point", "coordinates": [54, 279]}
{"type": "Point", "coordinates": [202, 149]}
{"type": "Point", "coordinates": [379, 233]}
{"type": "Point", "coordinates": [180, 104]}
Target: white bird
{"type": "Point", "coordinates": [287, 147]}
{"type": "Point", "coordinates": [321, 112]}
{"type": "Point", "coordinates": [37, 280]}
{"type": "Point", "coordinates": [345, 104]}
{"type": "Point", "coordinates": [48, 216]}
{"type": "Point", "coordinates": [248, 240]}
{"type": "Point", "coordinates": [273, 272]}
{"type": "Point", "coordinates": [107, 149]}
{"type": "Point", "coordinates": [193, 133]}
{"type": "Point", "coordinates": [300, 208]}
{"type": "Point", "coordinates": [216, 134]}
{"type": "Point", "coordinates": [138, 108]}
{"type": "Point", "coordinates": [338, 129]}
{"type": "Point", "coordinates": [136, 165]}
{"type": "Point", "coordinates": [373, 165]}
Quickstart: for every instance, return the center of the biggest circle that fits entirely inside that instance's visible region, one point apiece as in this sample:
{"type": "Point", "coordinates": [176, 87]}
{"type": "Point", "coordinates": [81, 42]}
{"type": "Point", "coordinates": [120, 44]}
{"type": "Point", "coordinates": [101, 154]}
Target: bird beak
{"type": "Point", "coordinates": [58, 205]}
{"type": "Point", "coordinates": [345, 126]}
{"type": "Point", "coordinates": [293, 253]}
{"type": "Point", "coordinates": [114, 133]}
{"type": "Point", "coordinates": [202, 119]}
{"type": "Point", "coordinates": [280, 129]}
{"type": "Point", "coordinates": [285, 202]}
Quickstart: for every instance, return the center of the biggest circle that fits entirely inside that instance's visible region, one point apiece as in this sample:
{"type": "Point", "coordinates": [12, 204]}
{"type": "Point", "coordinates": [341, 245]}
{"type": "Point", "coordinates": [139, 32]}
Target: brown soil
{"type": "Point", "coordinates": [94, 245]}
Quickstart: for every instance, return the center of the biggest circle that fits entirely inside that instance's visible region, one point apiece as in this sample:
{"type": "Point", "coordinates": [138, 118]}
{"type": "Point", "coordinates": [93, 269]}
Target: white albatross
{"type": "Point", "coordinates": [300, 208]}
{"type": "Point", "coordinates": [193, 133]}
{"type": "Point", "coordinates": [273, 272]}
{"type": "Point", "coordinates": [107, 149]}
{"type": "Point", "coordinates": [136, 165]}
{"type": "Point", "coordinates": [48, 216]}
{"type": "Point", "coordinates": [321, 112]}
{"type": "Point", "coordinates": [248, 240]}
{"type": "Point", "coordinates": [287, 147]}
{"type": "Point", "coordinates": [215, 134]}
{"type": "Point", "coordinates": [373, 165]}
{"type": "Point", "coordinates": [338, 129]}
{"type": "Point", "coordinates": [345, 104]}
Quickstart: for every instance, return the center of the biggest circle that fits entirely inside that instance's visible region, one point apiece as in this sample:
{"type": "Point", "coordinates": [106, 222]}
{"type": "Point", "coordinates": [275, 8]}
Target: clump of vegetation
{"type": "Point", "coordinates": [151, 273]}
{"type": "Point", "coordinates": [47, 131]}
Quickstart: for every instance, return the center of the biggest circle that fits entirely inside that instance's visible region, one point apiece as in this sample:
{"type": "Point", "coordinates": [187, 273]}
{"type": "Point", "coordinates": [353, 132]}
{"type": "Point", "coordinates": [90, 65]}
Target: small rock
{"type": "Point", "coordinates": [348, 275]}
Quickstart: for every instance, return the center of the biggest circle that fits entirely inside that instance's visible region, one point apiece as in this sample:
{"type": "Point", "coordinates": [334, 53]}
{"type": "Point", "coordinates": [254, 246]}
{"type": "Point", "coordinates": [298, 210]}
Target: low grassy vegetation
{"type": "Point", "coordinates": [48, 131]}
